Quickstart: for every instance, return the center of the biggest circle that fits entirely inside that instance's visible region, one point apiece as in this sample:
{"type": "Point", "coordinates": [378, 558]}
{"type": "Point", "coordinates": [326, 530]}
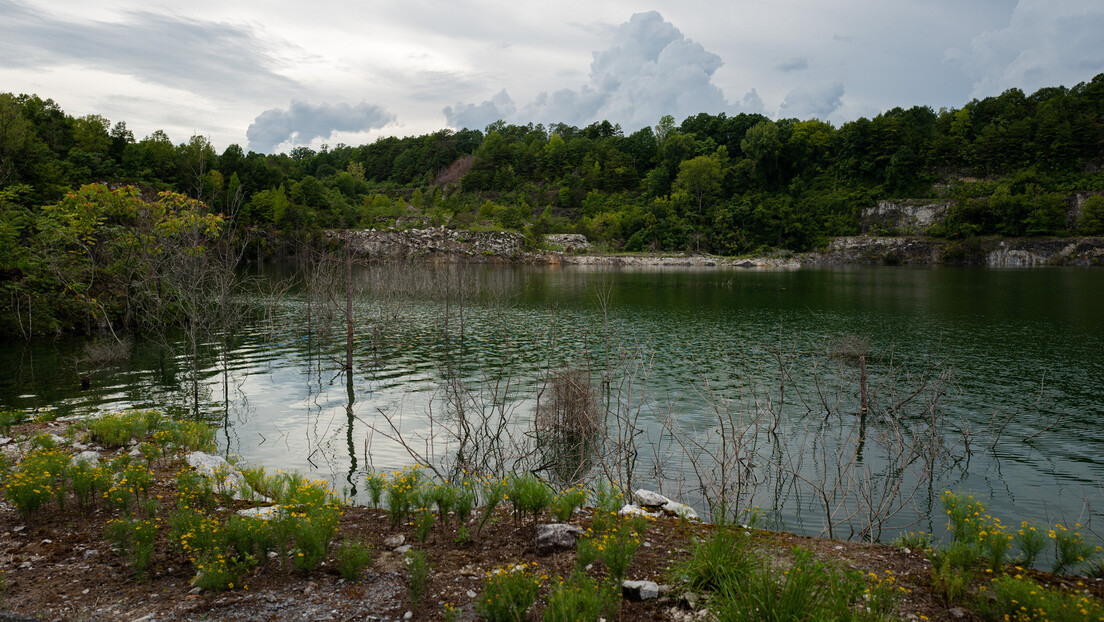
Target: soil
{"type": "Point", "coordinates": [57, 566]}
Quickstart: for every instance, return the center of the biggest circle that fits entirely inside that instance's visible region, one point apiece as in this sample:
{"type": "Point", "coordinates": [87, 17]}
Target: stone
{"type": "Point", "coordinates": [653, 500]}
{"type": "Point", "coordinates": [90, 457]}
{"type": "Point", "coordinates": [556, 536]}
{"type": "Point", "coordinates": [402, 549]}
{"type": "Point", "coordinates": [648, 499]}
{"type": "Point", "coordinates": [640, 590]}
{"type": "Point", "coordinates": [262, 513]}
{"type": "Point", "coordinates": [394, 542]}
{"type": "Point", "coordinates": [957, 612]}
{"type": "Point", "coordinates": [630, 510]}
{"type": "Point", "coordinates": [4, 440]}
{"type": "Point", "coordinates": [223, 473]}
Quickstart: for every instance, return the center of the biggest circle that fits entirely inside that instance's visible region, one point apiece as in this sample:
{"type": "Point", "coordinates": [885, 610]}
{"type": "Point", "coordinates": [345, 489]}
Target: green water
{"type": "Point", "coordinates": [1016, 359]}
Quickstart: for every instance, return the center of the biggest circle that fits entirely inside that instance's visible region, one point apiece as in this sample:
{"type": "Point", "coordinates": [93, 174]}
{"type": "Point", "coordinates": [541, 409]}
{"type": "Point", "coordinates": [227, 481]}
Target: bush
{"type": "Point", "coordinates": [508, 593]}
{"type": "Point", "coordinates": [352, 558]}
{"type": "Point", "coordinates": [581, 598]}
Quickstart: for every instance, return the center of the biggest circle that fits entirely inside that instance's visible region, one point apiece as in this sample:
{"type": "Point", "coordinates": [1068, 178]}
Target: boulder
{"type": "Point", "coordinates": [655, 501]}
{"type": "Point", "coordinates": [224, 475]}
{"type": "Point", "coordinates": [640, 590]}
{"type": "Point", "coordinates": [263, 513]}
{"type": "Point", "coordinates": [556, 536]}
{"type": "Point", "coordinates": [88, 456]}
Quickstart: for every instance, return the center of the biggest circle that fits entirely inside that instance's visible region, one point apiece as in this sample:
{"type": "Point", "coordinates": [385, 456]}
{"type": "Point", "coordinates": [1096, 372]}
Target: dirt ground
{"type": "Point", "coordinates": [58, 566]}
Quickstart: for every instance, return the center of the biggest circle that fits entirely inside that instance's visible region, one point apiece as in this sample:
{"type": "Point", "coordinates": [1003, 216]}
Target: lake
{"type": "Point", "coordinates": [984, 381]}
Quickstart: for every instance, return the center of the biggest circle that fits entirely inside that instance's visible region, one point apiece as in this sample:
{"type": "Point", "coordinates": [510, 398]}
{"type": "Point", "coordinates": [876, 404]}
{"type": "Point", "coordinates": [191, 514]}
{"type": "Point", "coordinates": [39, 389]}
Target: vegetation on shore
{"type": "Point", "coordinates": [738, 572]}
{"type": "Point", "coordinates": [76, 257]}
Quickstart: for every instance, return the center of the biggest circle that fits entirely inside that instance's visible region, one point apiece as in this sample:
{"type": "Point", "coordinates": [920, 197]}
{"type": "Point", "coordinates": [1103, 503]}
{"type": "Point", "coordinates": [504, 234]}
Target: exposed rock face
{"type": "Point", "coordinates": [903, 217]}
{"type": "Point", "coordinates": [569, 242]}
{"type": "Point", "coordinates": [991, 252]}
{"type": "Point", "coordinates": [432, 245]}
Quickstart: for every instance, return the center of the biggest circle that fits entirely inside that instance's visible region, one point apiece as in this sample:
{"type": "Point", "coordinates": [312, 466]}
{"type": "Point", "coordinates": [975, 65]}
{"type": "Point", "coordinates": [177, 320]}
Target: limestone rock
{"type": "Point", "coordinates": [263, 513]}
{"type": "Point", "coordinates": [630, 510]}
{"type": "Point", "coordinates": [556, 536]}
{"type": "Point", "coordinates": [654, 500]}
{"type": "Point", "coordinates": [88, 457]}
{"type": "Point", "coordinates": [225, 476]}
{"type": "Point", "coordinates": [640, 590]}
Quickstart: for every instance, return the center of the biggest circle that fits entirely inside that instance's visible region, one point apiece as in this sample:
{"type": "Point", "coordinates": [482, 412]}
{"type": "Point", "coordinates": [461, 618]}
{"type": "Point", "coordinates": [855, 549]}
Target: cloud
{"type": "Point", "coordinates": [302, 122]}
{"type": "Point", "coordinates": [793, 64]}
{"type": "Point", "coordinates": [649, 70]}
{"type": "Point", "coordinates": [202, 56]}
{"type": "Point", "coordinates": [479, 116]}
{"type": "Point", "coordinates": [1045, 44]}
{"type": "Point", "coordinates": [813, 100]}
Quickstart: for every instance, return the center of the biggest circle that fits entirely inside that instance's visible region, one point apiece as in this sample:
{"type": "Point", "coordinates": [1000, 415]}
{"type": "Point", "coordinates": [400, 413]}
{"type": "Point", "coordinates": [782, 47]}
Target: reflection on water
{"type": "Point", "coordinates": [1019, 396]}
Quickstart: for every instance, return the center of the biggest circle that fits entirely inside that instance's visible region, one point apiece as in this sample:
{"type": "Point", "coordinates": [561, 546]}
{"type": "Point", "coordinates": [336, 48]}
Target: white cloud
{"type": "Point", "coordinates": [301, 123]}
{"type": "Point", "coordinates": [813, 100]}
{"type": "Point", "coordinates": [649, 70]}
{"type": "Point", "coordinates": [1046, 43]}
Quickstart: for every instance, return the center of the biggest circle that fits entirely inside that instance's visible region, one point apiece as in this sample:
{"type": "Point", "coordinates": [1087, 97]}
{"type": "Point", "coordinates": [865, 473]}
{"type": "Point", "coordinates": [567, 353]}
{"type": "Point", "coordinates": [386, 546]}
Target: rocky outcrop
{"type": "Point", "coordinates": [991, 252]}
{"type": "Point", "coordinates": [902, 217]}
{"type": "Point", "coordinates": [434, 244]}
{"type": "Point", "coordinates": [440, 245]}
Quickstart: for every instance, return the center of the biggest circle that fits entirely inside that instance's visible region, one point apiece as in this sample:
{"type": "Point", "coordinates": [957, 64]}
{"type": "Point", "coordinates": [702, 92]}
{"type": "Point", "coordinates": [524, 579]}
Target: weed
{"type": "Point", "coordinates": [417, 566]}
{"type": "Point", "coordinates": [1070, 549]}
{"type": "Point", "coordinates": [352, 558]}
{"type": "Point", "coordinates": [1031, 541]}
{"type": "Point", "coordinates": [493, 494]}
{"type": "Point", "coordinates": [918, 541]}
{"type": "Point", "coordinates": [564, 504]}
{"type": "Point", "coordinates": [134, 539]}
{"type": "Point", "coordinates": [1020, 598]}
{"type": "Point", "coordinates": [508, 593]}
{"type": "Point", "coordinates": [8, 418]}
{"type": "Point", "coordinates": [401, 489]}
{"type": "Point", "coordinates": [808, 590]}
{"type": "Point", "coordinates": [726, 554]}
{"type": "Point", "coordinates": [528, 494]}
{"type": "Point", "coordinates": [375, 488]}
{"type": "Point", "coordinates": [423, 523]}
{"type": "Point", "coordinates": [580, 597]}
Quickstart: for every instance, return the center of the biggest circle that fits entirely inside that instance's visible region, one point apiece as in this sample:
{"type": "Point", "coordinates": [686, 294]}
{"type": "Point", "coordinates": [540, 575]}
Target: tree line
{"type": "Point", "coordinates": [1007, 165]}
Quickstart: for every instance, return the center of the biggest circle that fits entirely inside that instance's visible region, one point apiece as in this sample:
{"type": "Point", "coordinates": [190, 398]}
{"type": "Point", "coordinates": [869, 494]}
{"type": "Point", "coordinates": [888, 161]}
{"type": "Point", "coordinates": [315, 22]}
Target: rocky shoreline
{"type": "Point", "coordinates": [440, 245]}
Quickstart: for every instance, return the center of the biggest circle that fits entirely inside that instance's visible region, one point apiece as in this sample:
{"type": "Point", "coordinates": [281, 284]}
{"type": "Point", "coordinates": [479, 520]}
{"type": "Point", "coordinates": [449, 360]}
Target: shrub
{"type": "Point", "coordinates": [417, 566]}
{"type": "Point", "coordinates": [564, 504]}
{"type": "Point", "coordinates": [134, 539]}
{"type": "Point", "coordinates": [1020, 598]}
{"type": "Point", "coordinates": [581, 598]}
{"type": "Point", "coordinates": [508, 593]}
{"type": "Point", "coordinates": [726, 554]}
{"type": "Point", "coordinates": [352, 558]}
{"type": "Point", "coordinates": [528, 494]}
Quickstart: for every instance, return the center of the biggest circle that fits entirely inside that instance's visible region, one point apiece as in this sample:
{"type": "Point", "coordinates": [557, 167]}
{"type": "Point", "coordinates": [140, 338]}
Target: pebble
{"type": "Point", "coordinates": [409, 615]}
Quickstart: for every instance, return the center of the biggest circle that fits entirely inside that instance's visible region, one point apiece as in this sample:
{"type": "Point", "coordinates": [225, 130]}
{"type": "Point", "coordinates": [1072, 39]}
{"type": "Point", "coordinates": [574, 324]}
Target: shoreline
{"type": "Point", "coordinates": [440, 245]}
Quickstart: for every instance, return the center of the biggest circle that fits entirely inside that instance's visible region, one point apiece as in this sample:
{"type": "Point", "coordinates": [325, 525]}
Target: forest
{"type": "Point", "coordinates": [90, 217]}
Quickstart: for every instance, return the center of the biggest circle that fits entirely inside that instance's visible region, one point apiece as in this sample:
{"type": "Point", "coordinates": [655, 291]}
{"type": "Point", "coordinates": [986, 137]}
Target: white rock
{"type": "Point", "coordinates": [90, 457]}
{"type": "Point", "coordinates": [682, 511]}
{"type": "Point", "coordinates": [649, 499]}
{"type": "Point", "coordinates": [640, 590]}
{"type": "Point", "coordinates": [223, 473]}
{"type": "Point", "coordinates": [263, 513]}
{"type": "Point", "coordinates": [630, 510]}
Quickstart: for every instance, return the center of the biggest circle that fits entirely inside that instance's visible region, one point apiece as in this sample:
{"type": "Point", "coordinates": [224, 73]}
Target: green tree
{"type": "Point", "coordinates": [701, 177]}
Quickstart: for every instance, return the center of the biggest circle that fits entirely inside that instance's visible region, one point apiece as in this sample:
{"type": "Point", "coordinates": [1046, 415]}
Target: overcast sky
{"type": "Point", "coordinates": [275, 74]}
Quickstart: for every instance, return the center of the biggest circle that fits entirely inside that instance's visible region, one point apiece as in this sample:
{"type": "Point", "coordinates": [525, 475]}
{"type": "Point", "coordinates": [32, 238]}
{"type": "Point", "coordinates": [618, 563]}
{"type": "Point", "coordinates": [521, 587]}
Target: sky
{"type": "Point", "coordinates": [277, 74]}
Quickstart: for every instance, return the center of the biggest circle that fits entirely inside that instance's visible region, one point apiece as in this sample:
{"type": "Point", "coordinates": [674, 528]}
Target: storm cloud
{"type": "Point", "coordinates": [210, 58]}
{"type": "Point", "coordinates": [649, 70]}
{"type": "Point", "coordinates": [1045, 44]}
{"type": "Point", "coordinates": [813, 100]}
{"type": "Point", "coordinates": [302, 122]}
